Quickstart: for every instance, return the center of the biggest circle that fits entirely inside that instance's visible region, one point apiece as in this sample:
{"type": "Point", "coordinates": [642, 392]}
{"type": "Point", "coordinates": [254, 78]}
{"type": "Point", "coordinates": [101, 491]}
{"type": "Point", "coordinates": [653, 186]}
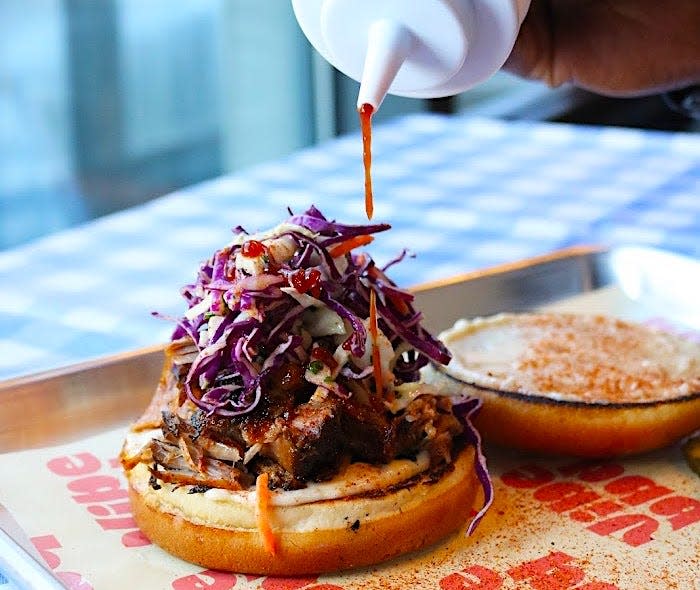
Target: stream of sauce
{"type": "Point", "coordinates": [366, 110]}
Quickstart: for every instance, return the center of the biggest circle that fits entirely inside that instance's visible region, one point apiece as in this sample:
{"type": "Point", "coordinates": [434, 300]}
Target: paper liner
{"type": "Point", "coordinates": [554, 525]}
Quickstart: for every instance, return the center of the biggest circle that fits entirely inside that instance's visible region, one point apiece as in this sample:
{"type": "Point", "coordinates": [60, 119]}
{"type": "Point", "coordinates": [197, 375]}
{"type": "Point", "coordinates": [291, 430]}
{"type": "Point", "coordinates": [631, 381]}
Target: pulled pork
{"type": "Point", "coordinates": [296, 434]}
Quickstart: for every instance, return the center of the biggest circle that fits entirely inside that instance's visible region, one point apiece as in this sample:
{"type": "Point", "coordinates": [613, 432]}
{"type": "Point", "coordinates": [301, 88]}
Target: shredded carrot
{"type": "Point", "coordinates": [399, 303]}
{"type": "Point", "coordinates": [374, 332]}
{"type": "Point", "coordinates": [350, 244]}
{"type": "Point", "coordinates": [263, 513]}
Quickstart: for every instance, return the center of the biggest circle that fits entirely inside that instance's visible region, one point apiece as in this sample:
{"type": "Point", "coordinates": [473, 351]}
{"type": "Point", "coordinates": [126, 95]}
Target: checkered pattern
{"type": "Point", "coordinates": [460, 193]}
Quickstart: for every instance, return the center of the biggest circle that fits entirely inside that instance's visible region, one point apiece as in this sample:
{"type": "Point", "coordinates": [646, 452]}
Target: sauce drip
{"type": "Point", "coordinates": [366, 111]}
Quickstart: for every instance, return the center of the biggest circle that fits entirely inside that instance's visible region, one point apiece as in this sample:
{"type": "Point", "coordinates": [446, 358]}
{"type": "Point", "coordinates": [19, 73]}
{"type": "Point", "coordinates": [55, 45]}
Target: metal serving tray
{"type": "Point", "coordinates": [75, 402]}
{"type": "Point", "coordinates": [87, 398]}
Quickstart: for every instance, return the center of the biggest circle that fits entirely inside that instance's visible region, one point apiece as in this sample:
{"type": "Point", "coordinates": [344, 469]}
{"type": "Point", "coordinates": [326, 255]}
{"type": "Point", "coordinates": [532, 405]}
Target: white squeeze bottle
{"type": "Point", "coordinates": [415, 48]}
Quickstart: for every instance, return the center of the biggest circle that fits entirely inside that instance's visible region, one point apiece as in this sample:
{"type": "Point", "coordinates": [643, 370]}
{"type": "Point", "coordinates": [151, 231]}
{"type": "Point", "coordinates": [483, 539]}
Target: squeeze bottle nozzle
{"type": "Point", "coordinates": [388, 45]}
{"type": "Point", "coordinates": [420, 49]}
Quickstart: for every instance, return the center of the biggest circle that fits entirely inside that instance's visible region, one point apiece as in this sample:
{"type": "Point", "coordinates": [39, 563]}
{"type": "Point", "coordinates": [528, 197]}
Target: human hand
{"type": "Point", "coordinates": [611, 47]}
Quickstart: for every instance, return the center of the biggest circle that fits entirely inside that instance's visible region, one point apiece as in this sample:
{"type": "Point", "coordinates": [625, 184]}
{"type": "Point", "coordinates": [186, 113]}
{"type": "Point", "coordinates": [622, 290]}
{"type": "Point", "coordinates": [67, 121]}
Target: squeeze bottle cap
{"type": "Point", "coordinates": [421, 49]}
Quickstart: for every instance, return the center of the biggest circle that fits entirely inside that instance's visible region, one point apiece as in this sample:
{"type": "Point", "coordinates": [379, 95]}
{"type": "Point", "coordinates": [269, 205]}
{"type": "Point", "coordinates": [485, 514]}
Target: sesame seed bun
{"type": "Point", "coordinates": [582, 385]}
{"type": "Point", "coordinates": [217, 529]}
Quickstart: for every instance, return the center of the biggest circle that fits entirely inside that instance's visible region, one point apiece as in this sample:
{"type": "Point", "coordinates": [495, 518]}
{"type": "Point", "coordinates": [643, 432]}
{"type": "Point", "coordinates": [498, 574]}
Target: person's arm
{"type": "Point", "coordinates": [611, 47]}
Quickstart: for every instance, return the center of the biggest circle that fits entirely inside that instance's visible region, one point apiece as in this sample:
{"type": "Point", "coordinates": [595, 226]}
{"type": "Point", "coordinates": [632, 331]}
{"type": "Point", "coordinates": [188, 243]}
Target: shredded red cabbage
{"type": "Point", "coordinates": [245, 324]}
{"type": "Point", "coordinates": [465, 411]}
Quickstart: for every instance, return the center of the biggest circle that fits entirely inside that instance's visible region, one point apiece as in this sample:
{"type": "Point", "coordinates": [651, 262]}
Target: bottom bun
{"type": "Point", "coordinates": [314, 537]}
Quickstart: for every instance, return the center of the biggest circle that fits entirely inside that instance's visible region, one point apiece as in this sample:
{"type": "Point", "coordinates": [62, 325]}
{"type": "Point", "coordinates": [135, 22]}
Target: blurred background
{"type": "Point", "coordinates": [108, 103]}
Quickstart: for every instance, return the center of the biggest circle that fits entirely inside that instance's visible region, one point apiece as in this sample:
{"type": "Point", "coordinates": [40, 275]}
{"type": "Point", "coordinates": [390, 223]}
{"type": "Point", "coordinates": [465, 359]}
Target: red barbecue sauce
{"type": "Point", "coordinates": [307, 281]}
{"type": "Point", "coordinates": [252, 249]}
{"type": "Point", "coordinates": [366, 110]}
{"type": "Point", "coordinates": [321, 354]}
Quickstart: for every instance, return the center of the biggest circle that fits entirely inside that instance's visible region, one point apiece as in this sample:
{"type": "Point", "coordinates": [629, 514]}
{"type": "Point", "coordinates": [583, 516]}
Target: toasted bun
{"type": "Point", "coordinates": [588, 386]}
{"type": "Point", "coordinates": [312, 537]}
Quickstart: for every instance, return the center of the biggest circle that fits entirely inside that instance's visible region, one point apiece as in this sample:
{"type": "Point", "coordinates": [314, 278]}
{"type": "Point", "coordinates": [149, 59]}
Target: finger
{"type": "Point", "coordinates": [532, 56]}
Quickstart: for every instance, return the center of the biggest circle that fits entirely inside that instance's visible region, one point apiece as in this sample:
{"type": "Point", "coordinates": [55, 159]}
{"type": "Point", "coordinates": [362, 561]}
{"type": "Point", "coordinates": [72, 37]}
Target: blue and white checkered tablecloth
{"type": "Point", "coordinates": [461, 193]}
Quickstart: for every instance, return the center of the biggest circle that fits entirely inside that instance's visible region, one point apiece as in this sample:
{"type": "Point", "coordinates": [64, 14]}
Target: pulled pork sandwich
{"type": "Point", "coordinates": [289, 432]}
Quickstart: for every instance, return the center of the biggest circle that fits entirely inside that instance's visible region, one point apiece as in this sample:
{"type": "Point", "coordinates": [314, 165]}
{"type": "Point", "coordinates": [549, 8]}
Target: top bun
{"type": "Point", "coordinates": [585, 385]}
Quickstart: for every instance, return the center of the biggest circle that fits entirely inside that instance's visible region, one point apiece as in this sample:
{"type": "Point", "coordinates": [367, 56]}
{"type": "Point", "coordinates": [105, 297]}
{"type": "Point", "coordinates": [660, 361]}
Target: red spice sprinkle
{"type": "Point", "coordinates": [321, 354]}
{"type": "Point", "coordinates": [306, 281]}
{"type": "Point", "coordinates": [252, 249]}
